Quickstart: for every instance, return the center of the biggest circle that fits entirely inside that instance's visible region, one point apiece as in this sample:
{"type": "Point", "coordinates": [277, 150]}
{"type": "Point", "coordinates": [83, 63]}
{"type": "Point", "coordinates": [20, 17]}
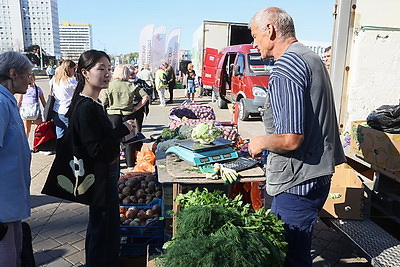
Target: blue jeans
{"type": "Point", "coordinates": [299, 213]}
{"type": "Point", "coordinates": [61, 123]}
{"type": "Point", "coordinates": [103, 231]}
{"type": "Point", "coordinates": [191, 88]}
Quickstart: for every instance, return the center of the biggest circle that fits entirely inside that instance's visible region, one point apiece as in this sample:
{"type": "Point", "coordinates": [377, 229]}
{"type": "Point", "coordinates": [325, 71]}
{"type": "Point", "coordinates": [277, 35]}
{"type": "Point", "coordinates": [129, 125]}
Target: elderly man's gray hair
{"type": "Point", "coordinates": [13, 60]}
{"type": "Point", "coordinates": [281, 20]}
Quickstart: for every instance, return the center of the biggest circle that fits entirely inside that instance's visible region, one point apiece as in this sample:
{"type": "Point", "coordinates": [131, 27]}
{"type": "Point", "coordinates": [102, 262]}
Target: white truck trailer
{"type": "Point", "coordinates": [218, 35]}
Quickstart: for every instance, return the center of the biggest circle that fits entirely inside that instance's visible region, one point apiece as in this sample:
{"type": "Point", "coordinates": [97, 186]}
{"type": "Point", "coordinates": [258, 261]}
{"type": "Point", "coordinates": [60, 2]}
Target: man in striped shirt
{"type": "Point", "coordinates": [302, 135]}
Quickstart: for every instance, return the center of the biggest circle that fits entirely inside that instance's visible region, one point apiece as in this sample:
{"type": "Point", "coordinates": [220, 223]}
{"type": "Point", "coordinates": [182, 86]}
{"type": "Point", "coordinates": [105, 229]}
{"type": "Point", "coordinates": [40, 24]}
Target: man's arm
{"type": "Point", "coordinates": [277, 143]}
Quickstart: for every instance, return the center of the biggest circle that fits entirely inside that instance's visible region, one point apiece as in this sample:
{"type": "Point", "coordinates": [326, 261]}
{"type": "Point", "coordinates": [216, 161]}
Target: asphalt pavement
{"type": "Point", "coordinates": [59, 227]}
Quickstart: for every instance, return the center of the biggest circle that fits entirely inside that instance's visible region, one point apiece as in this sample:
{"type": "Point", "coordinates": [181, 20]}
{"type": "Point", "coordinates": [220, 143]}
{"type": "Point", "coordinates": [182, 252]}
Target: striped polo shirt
{"type": "Point", "coordinates": [289, 80]}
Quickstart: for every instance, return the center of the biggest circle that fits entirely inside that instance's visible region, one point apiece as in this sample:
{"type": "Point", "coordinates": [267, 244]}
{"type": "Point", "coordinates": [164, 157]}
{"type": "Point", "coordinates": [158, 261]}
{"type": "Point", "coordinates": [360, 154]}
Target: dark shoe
{"type": "Point", "coordinates": [169, 102]}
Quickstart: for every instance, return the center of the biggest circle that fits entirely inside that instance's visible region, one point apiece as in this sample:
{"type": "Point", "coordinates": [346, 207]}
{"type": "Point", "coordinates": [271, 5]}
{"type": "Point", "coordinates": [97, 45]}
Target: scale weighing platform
{"type": "Point", "coordinates": [197, 154]}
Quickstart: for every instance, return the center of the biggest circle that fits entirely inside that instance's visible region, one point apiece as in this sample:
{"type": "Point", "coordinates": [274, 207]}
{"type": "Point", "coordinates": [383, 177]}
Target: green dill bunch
{"type": "Point", "coordinates": [230, 246]}
{"type": "Point", "coordinates": [197, 221]}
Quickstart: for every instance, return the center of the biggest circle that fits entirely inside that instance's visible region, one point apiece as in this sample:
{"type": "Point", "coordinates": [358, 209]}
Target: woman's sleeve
{"type": "Point", "coordinates": [100, 141]}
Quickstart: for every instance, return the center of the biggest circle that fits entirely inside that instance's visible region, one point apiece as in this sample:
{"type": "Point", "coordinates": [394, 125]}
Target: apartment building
{"type": "Point", "coordinates": [29, 22]}
{"type": "Point", "coordinates": [75, 38]}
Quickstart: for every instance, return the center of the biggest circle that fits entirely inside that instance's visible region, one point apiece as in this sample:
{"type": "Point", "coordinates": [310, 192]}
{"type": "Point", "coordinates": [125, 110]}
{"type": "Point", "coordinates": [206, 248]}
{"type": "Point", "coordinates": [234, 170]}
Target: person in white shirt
{"type": "Point", "coordinates": [64, 84]}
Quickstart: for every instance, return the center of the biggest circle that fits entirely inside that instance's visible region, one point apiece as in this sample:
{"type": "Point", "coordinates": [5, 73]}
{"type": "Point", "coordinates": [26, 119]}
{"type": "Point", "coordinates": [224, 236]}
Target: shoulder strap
{"type": "Point", "coordinates": [37, 93]}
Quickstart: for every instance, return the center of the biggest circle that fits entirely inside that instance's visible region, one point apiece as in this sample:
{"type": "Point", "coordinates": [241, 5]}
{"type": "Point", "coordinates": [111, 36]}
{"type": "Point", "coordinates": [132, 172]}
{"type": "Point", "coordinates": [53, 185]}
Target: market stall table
{"type": "Point", "coordinates": [171, 170]}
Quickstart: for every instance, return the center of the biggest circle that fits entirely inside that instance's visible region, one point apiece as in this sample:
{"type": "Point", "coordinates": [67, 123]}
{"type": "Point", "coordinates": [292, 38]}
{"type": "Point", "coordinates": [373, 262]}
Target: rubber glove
{"type": "Point", "coordinates": [227, 175]}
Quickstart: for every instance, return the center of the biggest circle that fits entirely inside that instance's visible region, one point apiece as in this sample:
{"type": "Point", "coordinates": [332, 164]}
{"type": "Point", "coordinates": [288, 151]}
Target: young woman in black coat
{"type": "Point", "coordinates": [94, 134]}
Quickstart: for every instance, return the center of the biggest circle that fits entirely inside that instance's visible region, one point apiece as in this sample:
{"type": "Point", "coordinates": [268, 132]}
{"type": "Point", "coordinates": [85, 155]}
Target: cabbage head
{"type": "Point", "coordinates": [206, 133]}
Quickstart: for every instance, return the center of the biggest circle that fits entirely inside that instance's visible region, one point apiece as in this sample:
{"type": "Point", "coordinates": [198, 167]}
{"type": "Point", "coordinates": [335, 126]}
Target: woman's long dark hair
{"type": "Point", "coordinates": [87, 60]}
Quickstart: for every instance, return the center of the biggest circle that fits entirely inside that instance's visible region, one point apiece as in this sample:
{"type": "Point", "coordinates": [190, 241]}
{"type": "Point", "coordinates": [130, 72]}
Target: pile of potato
{"type": "Point", "coordinates": [134, 216]}
{"type": "Point", "coordinates": [138, 188]}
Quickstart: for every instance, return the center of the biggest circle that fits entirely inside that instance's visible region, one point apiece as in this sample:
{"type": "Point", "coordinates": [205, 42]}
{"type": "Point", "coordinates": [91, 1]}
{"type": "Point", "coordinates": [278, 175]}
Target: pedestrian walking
{"type": "Point", "coordinates": [63, 87]}
{"type": "Point", "coordinates": [171, 80]}
{"type": "Point", "coordinates": [50, 71]}
{"type": "Point", "coordinates": [119, 99]}
{"type": "Point", "coordinates": [15, 155]}
{"type": "Point", "coordinates": [161, 84]}
{"type": "Point", "coordinates": [302, 131]}
{"type": "Point", "coordinates": [33, 96]}
{"type": "Point", "coordinates": [190, 78]}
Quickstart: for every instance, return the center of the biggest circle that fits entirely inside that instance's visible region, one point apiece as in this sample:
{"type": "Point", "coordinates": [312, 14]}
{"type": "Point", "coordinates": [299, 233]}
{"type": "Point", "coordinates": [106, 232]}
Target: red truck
{"type": "Point", "coordinates": [237, 74]}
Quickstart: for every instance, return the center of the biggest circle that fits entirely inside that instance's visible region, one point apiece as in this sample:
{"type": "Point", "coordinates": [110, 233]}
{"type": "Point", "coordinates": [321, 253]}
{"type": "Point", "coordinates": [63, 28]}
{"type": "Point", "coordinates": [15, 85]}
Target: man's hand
{"type": "Point", "coordinates": [255, 146]}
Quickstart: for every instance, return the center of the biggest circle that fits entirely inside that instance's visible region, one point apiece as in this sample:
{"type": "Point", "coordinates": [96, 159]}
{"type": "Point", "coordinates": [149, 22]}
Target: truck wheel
{"type": "Point", "coordinates": [221, 103]}
{"type": "Point", "coordinates": [243, 113]}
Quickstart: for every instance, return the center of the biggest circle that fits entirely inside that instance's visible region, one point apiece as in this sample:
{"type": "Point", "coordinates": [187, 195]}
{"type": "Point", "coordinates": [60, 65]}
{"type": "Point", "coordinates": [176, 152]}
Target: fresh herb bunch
{"type": "Point", "coordinates": [230, 246]}
{"type": "Point", "coordinates": [209, 218]}
{"type": "Point", "coordinates": [213, 230]}
{"type": "Point", "coordinates": [167, 133]}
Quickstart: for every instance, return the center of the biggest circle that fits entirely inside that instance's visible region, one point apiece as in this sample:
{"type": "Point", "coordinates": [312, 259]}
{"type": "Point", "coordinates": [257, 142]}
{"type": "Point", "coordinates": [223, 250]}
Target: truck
{"type": "Point", "coordinates": [217, 35]}
{"type": "Point", "coordinates": [237, 74]}
{"type": "Point", "coordinates": [364, 71]}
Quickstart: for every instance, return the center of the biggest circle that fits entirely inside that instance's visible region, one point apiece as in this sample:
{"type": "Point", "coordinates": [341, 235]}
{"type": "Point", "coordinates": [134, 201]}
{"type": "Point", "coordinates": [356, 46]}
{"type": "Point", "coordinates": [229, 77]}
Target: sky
{"type": "Point", "coordinates": [116, 24]}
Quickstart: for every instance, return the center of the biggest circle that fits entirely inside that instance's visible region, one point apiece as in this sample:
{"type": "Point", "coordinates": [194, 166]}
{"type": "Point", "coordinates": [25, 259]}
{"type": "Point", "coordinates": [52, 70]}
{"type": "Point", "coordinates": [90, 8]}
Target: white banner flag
{"type": "Point", "coordinates": [172, 49]}
{"type": "Point", "coordinates": [158, 47]}
{"type": "Point", "coordinates": [146, 38]}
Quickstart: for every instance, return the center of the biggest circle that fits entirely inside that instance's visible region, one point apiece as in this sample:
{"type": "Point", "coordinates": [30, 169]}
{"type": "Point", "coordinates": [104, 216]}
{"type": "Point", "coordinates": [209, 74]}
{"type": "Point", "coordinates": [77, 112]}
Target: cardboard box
{"type": "Point", "coordinates": [376, 147]}
{"type": "Point", "coordinates": [346, 196]}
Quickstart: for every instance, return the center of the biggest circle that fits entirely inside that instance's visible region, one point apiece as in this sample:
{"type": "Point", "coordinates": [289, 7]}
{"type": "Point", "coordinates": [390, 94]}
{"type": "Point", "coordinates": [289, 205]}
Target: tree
{"type": "Point", "coordinates": [33, 53]}
{"type": "Point", "coordinates": [128, 58]}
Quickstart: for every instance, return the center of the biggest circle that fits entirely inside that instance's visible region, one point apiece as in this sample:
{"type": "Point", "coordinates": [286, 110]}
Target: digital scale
{"type": "Point", "coordinates": [197, 154]}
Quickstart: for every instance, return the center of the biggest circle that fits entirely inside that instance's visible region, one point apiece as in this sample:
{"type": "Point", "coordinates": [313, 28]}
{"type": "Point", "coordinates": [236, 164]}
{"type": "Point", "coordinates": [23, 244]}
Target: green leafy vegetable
{"type": "Point", "coordinates": [168, 133]}
{"type": "Point", "coordinates": [206, 133]}
{"type": "Point", "coordinates": [213, 230]}
{"type": "Point", "coordinates": [185, 131]}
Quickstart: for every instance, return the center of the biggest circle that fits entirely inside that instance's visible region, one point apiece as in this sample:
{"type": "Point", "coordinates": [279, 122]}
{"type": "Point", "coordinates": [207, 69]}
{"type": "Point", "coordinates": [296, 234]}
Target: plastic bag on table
{"type": "Point", "coordinates": [385, 118]}
{"type": "Point", "coordinates": [145, 160]}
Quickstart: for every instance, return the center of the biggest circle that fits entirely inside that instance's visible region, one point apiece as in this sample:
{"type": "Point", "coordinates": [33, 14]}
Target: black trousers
{"type": "Point", "coordinates": [171, 87]}
{"type": "Point", "coordinates": [103, 231]}
{"type": "Point", "coordinates": [131, 149]}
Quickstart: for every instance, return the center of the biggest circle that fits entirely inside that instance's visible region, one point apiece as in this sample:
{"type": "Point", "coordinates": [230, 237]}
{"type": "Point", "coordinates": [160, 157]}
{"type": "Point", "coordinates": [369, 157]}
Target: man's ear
{"type": "Point", "coordinates": [12, 73]}
{"type": "Point", "coordinates": [271, 31]}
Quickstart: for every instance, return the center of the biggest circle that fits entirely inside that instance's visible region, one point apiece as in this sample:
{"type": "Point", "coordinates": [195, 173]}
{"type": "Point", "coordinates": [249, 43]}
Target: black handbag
{"type": "Point", "coordinates": [74, 175]}
{"type": "Point", "coordinates": [48, 113]}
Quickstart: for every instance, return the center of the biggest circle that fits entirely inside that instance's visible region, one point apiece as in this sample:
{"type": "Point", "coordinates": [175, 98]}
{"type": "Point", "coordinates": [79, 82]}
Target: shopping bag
{"type": "Point", "coordinates": [45, 138]}
{"type": "Point", "coordinates": [48, 112]}
{"type": "Point", "coordinates": [30, 112]}
{"type": "Point", "coordinates": [74, 175]}
{"type": "Point", "coordinates": [145, 160]}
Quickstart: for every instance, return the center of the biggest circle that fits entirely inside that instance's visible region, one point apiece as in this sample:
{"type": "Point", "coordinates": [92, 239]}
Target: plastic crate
{"type": "Point", "coordinates": [136, 239]}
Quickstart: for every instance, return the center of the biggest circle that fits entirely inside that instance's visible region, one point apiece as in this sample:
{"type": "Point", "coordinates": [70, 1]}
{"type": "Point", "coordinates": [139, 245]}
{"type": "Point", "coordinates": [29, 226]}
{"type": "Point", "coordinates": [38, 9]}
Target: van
{"type": "Point", "coordinates": [238, 74]}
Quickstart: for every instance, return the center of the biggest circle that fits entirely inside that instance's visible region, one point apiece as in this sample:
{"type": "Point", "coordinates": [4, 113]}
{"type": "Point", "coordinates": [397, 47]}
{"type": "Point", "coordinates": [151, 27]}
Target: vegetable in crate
{"type": "Point", "coordinates": [206, 133]}
{"type": "Point", "coordinates": [139, 189]}
{"type": "Point", "coordinates": [134, 216]}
